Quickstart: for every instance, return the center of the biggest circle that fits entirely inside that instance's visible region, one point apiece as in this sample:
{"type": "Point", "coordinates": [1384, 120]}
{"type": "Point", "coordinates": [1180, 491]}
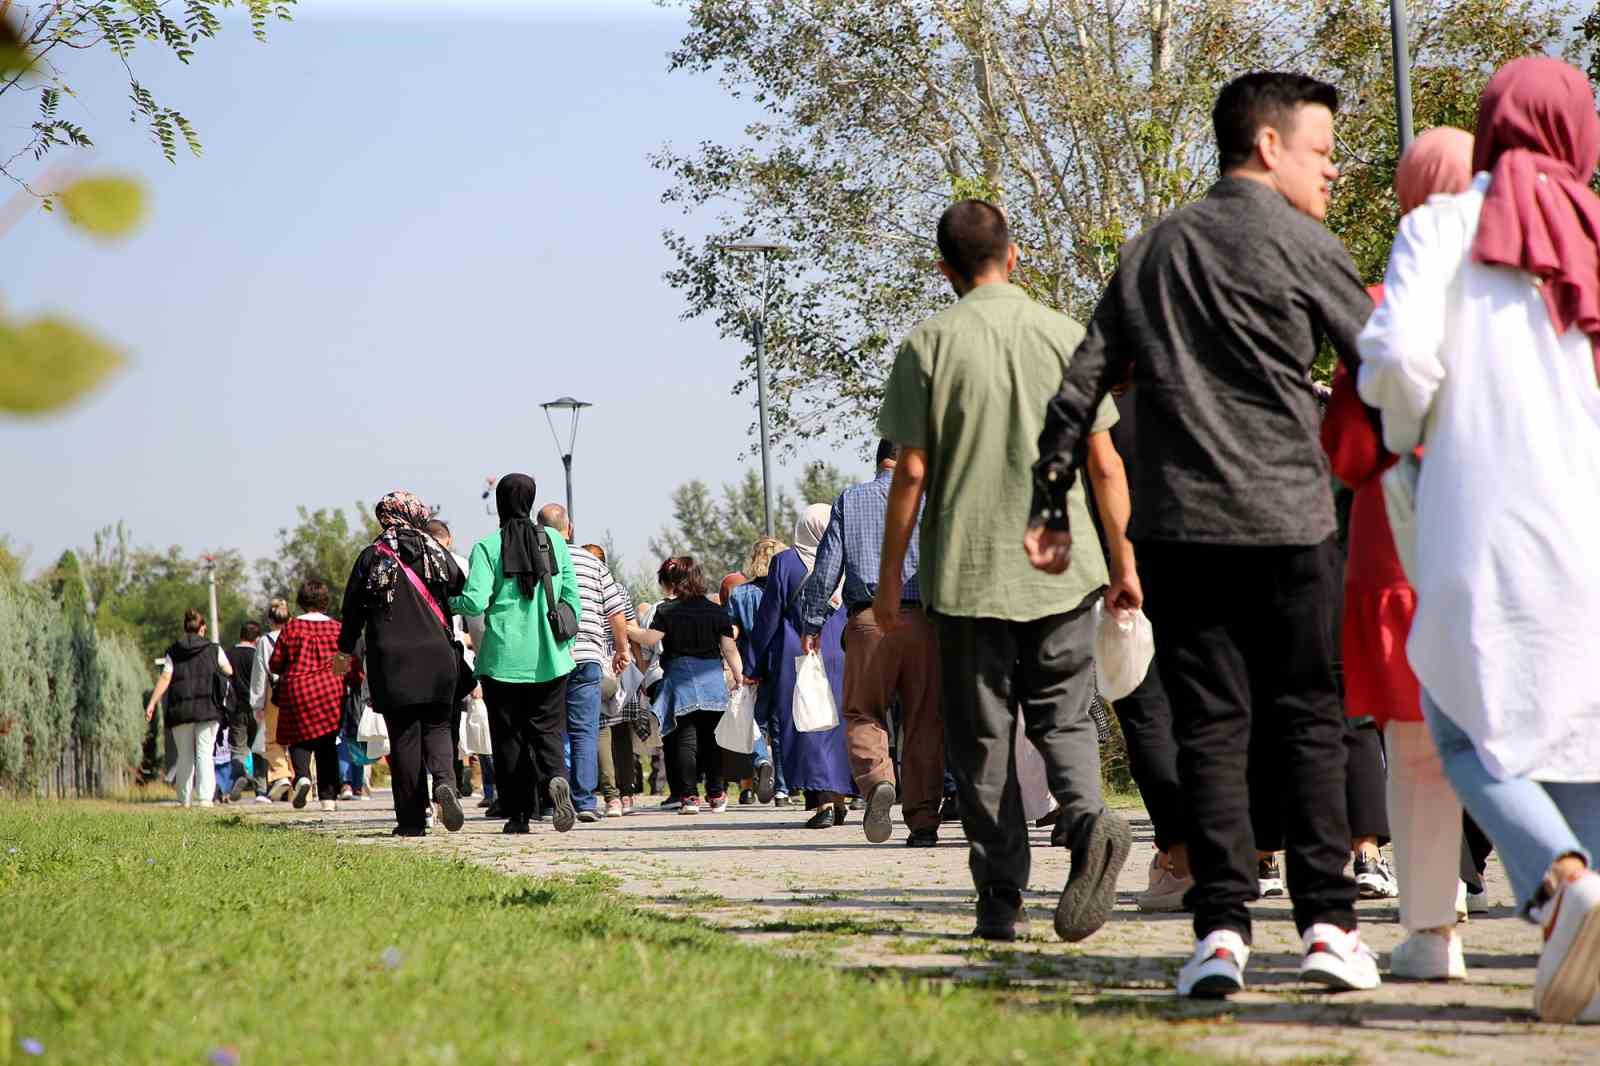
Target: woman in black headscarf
{"type": "Point", "coordinates": [396, 596]}
{"type": "Point", "coordinates": [523, 664]}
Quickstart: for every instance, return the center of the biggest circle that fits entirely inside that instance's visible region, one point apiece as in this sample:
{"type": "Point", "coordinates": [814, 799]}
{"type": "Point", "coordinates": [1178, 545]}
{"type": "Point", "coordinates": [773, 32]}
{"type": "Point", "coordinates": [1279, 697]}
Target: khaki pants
{"type": "Point", "coordinates": [876, 668]}
{"type": "Point", "coordinates": [278, 768]}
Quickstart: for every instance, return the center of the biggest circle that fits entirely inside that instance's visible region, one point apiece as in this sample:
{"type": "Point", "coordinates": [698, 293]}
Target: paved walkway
{"type": "Point", "coordinates": [831, 895]}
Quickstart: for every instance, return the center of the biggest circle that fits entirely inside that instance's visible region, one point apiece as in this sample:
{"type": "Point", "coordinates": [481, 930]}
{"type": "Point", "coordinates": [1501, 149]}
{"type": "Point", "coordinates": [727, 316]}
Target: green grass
{"type": "Point", "coordinates": [136, 935]}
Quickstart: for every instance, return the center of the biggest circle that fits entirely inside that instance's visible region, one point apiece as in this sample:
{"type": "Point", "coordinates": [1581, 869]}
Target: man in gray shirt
{"type": "Point", "coordinates": [1216, 314]}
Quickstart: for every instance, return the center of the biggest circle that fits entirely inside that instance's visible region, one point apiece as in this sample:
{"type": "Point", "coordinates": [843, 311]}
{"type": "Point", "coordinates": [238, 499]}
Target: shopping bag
{"type": "Point", "coordinates": [737, 732]}
{"type": "Point", "coordinates": [475, 731]}
{"type": "Point", "coordinates": [1123, 647]}
{"type": "Point", "coordinates": [815, 709]}
{"type": "Point", "coordinates": [373, 731]}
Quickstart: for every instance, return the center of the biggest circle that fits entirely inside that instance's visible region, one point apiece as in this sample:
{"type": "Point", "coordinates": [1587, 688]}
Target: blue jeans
{"type": "Point", "coordinates": [768, 748]}
{"type": "Point", "coordinates": [1531, 823]}
{"type": "Point", "coordinates": [350, 771]}
{"type": "Point", "coordinates": [583, 733]}
{"type": "Point", "coordinates": [486, 764]}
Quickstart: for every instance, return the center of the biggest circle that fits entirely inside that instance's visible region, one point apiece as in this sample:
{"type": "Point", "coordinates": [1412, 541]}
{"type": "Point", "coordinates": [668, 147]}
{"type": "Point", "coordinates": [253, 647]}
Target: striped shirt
{"type": "Point", "coordinates": [601, 598]}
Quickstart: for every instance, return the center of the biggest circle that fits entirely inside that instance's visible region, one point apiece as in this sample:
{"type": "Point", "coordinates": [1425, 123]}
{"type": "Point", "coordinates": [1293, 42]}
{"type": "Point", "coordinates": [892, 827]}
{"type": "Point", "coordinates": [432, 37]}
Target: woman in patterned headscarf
{"type": "Point", "coordinates": [396, 597]}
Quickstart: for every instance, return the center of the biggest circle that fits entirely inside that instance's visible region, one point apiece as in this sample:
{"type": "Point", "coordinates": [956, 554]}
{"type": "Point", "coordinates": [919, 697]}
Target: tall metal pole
{"type": "Point", "coordinates": [211, 588]}
{"type": "Point", "coordinates": [761, 397]}
{"type": "Point", "coordinates": [566, 461]}
{"type": "Point", "coordinates": [1402, 72]}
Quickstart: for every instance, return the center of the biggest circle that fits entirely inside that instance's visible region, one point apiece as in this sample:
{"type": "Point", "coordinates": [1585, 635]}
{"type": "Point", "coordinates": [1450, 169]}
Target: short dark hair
{"type": "Point", "coordinates": [193, 620]}
{"type": "Point", "coordinates": [437, 526]}
{"type": "Point", "coordinates": [684, 575]}
{"type": "Point", "coordinates": [973, 235]}
{"type": "Point", "coordinates": [313, 596]}
{"type": "Point", "coordinates": [250, 632]}
{"type": "Point", "coordinates": [886, 450]}
{"type": "Point", "coordinates": [1262, 98]}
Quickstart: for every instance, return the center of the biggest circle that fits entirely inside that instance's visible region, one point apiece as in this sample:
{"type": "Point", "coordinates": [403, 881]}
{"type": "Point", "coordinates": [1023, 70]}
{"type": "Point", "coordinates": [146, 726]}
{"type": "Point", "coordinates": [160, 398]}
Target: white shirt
{"type": "Point", "coordinates": [1463, 357]}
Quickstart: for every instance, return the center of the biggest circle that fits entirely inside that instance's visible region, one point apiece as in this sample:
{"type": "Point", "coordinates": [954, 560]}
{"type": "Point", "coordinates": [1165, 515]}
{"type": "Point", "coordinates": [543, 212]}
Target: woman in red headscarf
{"type": "Point", "coordinates": [1483, 349]}
{"type": "Point", "coordinates": [1378, 605]}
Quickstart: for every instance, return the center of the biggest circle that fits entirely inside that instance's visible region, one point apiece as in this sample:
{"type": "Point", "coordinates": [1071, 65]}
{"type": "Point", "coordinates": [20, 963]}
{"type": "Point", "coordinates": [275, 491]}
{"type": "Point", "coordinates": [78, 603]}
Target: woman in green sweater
{"type": "Point", "coordinates": [522, 666]}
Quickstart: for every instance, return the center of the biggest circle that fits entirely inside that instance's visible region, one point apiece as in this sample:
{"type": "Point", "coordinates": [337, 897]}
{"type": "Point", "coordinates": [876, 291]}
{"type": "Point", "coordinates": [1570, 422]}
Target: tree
{"type": "Point", "coordinates": [152, 589]}
{"type": "Point", "coordinates": [1086, 121]}
{"type": "Point", "coordinates": [720, 535]}
{"type": "Point", "coordinates": [323, 545]}
{"type": "Point", "coordinates": [12, 559]}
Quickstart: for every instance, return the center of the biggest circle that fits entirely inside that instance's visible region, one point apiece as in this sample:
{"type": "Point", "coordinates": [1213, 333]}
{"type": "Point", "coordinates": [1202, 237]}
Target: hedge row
{"type": "Point", "coordinates": [71, 711]}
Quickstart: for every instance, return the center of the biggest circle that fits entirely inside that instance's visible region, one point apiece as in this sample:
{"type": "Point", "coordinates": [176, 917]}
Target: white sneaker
{"type": "Point", "coordinates": [1462, 912]}
{"type": "Point", "coordinates": [1217, 969]}
{"type": "Point", "coordinates": [330, 806]}
{"type": "Point", "coordinates": [1338, 960]}
{"type": "Point", "coordinates": [1565, 983]}
{"type": "Point", "coordinates": [1429, 955]}
{"type": "Point", "coordinates": [279, 790]}
{"type": "Point", "coordinates": [264, 799]}
{"type": "Point", "coordinates": [302, 789]}
{"type": "Point", "coordinates": [1166, 891]}
{"type": "Point", "coordinates": [1478, 902]}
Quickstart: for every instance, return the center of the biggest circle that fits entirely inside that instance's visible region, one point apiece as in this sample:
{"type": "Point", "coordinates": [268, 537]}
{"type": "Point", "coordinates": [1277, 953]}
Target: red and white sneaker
{"type": "Point", "coordinates": [1567, 982]}
{"type": "Point", "coordinates": [1338, 960]}
{"type": "Point", "coordinates": [690, 805]}
{"type": "Point", "coordinates": [717, 804]}
{"type": "Point", "coordinates": [1217, 969]}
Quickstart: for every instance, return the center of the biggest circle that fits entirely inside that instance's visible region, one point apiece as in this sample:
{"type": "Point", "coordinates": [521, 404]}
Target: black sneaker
{"type": "Point", "coordinates": [923, 838]}
{"type": "Point", "coordinates": [766, 782]}
{"type": "Point", "coordinates": [588, 816]}
{"type": "Point", "coordinates": [1374, 879]}
{"type": "Point", "coordinates": [516, 827]}
{"type": "Point", "coordinates": [747, 798]}
{"type": "Point", "coordinates": [408, 831]}
{"type": "Point", "coordinates": [822, 818]}
{"type": "Point", "coordinates": [1091, 889]}
{"type": "Point", "coordinates": [950, 810]}
{"type": "Point", "coordinates": [450, 812]}
{"type": "Point", "coordinates": [562, 815]}
{"type": "Point", "coordinates": [999, 913]}
{"type": "Point", "coordinates": [495, 810]}
{"type": "Point", "coordinates": [1269, 879]}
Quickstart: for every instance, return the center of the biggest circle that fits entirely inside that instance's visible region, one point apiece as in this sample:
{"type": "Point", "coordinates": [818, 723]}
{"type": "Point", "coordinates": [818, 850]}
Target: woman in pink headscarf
{"type": "Point", "coordinates": [1483, 350]}
{"type": "Point", "coordinates": [1378, 605]}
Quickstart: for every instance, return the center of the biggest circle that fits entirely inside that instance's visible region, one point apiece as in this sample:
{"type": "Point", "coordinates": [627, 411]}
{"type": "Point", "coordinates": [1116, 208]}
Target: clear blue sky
{"type": "Point", "coordinates": [407, 230]}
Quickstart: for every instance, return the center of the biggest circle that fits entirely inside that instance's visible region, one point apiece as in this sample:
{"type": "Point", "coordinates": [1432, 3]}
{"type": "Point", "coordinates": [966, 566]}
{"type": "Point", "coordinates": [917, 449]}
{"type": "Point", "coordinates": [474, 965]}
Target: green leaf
{"type": "Point", "coordinates": [48, 362]}
{"type": "Point", "coordinates": [14, 56]}
{"type": "Point", "coordinates": [107, 207]}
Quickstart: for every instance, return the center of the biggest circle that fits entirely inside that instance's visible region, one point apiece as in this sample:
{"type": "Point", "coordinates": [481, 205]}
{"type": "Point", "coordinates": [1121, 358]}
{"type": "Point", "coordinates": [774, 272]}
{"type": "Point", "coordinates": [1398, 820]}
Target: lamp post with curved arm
{"type": "Point", "coordinates": [574, 408]}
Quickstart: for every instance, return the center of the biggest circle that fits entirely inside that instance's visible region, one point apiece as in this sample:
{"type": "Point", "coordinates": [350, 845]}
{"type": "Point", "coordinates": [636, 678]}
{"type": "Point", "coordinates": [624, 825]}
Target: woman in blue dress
{"type": "Point", "coordinates": [819, 763]}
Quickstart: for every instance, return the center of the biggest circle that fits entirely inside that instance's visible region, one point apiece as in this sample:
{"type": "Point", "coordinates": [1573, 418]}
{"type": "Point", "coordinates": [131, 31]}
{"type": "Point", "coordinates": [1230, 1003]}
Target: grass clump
{"type": "Point", "coordinates": [136, 935]}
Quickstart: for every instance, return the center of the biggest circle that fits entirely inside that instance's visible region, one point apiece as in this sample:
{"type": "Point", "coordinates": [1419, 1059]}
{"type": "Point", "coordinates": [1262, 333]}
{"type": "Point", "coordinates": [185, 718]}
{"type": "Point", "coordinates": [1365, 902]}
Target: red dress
{"type": "Point", "coordinates": [309, 698]}
{"type": "Point", "coordinates": [1378, 600]}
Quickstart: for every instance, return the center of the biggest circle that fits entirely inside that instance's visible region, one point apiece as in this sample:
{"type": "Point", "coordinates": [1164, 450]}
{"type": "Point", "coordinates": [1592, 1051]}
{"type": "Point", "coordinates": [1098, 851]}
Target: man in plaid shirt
{"type": "Point", "coordinates": [877, 666]}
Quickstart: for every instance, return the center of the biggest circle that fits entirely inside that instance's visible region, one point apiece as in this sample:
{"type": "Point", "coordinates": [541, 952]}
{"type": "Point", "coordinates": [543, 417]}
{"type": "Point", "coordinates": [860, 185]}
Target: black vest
{"type": "Point", "coordinates": [194, 695]}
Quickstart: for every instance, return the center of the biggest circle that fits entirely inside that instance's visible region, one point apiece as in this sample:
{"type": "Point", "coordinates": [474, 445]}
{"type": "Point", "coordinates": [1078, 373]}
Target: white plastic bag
{"type": "Point", "coordinates": [737, 732]}
{"type": "Point", "coordinates": [815, 710]}
{"type": "Point", "coordinates": [1123, 647]}
{"type": "Point", "coordinates": [475, 731]}
{"type": "Point", "coordinates": [374, 732]}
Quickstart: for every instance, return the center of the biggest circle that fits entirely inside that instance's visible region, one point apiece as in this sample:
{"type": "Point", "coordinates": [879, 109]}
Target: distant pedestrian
{"type": "Point", "coordinates": [744, 603]}
{"type": "Point", "coordinates": [242, 724]}
{"type": "Point", "coordinates": [194, 680]}
{"type": "Point", "coordinates": [310, 695]}
{"type": "Point", "coordinates": [279, 773]}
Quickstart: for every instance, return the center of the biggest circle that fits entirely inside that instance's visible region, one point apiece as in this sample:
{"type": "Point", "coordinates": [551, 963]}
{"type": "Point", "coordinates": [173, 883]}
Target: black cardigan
{"type": "Point", "coordinates": [410, 660]}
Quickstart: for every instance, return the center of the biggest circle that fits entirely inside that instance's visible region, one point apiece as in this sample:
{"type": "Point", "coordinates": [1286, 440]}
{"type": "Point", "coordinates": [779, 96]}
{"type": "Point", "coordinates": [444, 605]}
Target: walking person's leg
{"type": "Point", "coordinates": [977, 657]}
{"type": "Point", "coordinates": [547, 719]}
{"type": "Point", "coordinates": [280, 771]}
{"type": "Point", "coordinates": [1366, 803]}
{"type": "Point", "coordinates": [683, 762]}
{"type": "Point", "coordinates": [624, 761]}
{"type": "Point", "coordinates": [325, 749]}
{"type": "Point", "coordinates": [406, 771]}
{"type": "Point", "coordinates": [912, 661]}
{"type": "Point", "coordinates": [866, 731]}
{"type": "Point", "coordinates": [583, 726]}
{"type": "Point", "coordinates": [205, 767]}
{"type": "Point", "coordinates": [184, 739]}
{"type": "Point", "coordinates": [1054, 690]}
{"type": "Point", "coordinates": [605, 756]}
{"type": "Point", "coordinates": [709, 753]}
{"type": "Point", "coordinates": [1421, 802]}
{"type": "Point", "coordinates": [437, 722]}
{"type": "Point", "coordinates": [508, 706]}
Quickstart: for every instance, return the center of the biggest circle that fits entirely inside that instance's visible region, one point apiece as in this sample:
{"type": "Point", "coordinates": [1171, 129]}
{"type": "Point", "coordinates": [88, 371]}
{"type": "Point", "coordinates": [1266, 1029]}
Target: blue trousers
{"type": "Point", "coordinates": [583, 734]}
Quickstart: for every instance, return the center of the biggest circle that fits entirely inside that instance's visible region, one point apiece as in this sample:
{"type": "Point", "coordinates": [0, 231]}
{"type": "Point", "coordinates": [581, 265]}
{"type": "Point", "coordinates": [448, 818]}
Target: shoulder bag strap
{"type": "Point", "coordinates": [416, 583]}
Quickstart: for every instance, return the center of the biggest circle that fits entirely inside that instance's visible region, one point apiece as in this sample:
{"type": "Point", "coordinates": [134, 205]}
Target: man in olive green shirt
{"type": "Point", "coordinates": [965, 402]}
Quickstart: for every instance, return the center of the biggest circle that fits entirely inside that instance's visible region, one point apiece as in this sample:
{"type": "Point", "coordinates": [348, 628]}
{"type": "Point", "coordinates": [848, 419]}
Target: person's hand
{"type": "Point", "coordinates": [621, 661]}
{"type": "Point", "coordinates": [886, 605]}
{"type": "Point", "coordinates": [810, 643]}
{"type": "Point", "coordinates": [339, 665]}
{"type": "Point", "coordinates": [750, 682]}
{"type": "Point", "coordinates": [477, 693]}
{"type": "Point", "coordinates": [1049, 550]}
{"type": "Point", "coordinates": [150, 712]}
{"type": "Point", "coordinates": [1124, 593]}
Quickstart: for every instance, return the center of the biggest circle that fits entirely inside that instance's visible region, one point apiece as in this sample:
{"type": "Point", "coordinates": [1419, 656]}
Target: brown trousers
{"type": "Point", "coordinates": [876, 667]}
{"type": "Point", "coordinates": [278, 767]}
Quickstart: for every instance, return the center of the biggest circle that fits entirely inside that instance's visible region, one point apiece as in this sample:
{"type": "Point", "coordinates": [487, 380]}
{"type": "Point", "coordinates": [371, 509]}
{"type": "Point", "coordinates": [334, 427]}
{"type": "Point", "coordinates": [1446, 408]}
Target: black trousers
{"type": "Point", "coordinates": [1145, 716]}
{"type": "Point", "coordinates": [527, 723]}
{"type": "Point", "coordinates": [325, 750]}
{"type": "Point", "coordinates": [1246, 650]}
{"type": "Point", "coordinates": [1366, 796]}
{"type": "Point", "coordinates": [693, 743]}
{"type": "Point", "coordinates": [419, 744]}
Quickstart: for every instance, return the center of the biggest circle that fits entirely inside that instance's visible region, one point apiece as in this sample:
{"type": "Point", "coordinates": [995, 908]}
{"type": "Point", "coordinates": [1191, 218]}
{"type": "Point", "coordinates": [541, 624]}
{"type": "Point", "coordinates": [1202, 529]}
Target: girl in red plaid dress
{"type": "Point", "coordinates": [309, 695]}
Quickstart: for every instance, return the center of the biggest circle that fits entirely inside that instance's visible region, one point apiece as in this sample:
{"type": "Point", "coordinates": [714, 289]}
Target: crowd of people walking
{"type": "Point", "coordinates": [1408, 669]}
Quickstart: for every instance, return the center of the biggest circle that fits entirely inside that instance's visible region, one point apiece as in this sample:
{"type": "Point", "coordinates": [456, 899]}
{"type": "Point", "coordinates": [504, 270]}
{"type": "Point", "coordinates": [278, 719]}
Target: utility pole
{"type": "Point", "coordinates": [211, 589]}
{"type": "Point", "coordinates": [758, 334]}
{"type": "Point", "coordinates": [1402, 72]}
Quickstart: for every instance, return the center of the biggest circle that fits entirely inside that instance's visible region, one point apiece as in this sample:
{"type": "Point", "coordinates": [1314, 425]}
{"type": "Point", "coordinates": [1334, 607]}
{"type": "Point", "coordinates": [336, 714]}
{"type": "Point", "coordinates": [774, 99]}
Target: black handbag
{"type": "Point", "coordinates": [562, 618]}
{"type": "Point", "coordinates": [466, 680]}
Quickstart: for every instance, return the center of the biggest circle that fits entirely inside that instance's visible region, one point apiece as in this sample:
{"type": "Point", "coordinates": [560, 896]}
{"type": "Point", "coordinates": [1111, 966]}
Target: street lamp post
{"type": "Point", "coordinates": [758, 333]}
{"type": "Point", "coordinates": [574, 408]}
{"type": "Point", "coordinates": [1402, 72]}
